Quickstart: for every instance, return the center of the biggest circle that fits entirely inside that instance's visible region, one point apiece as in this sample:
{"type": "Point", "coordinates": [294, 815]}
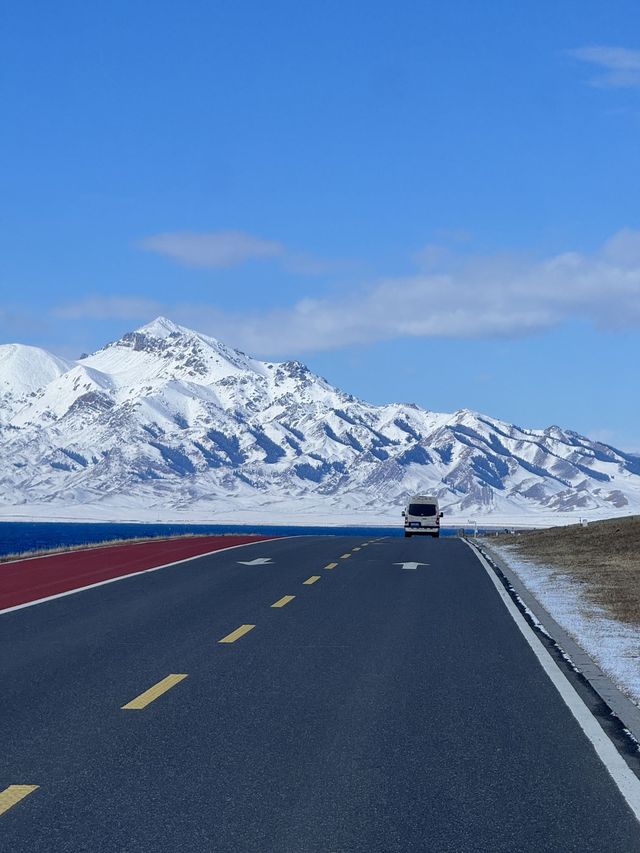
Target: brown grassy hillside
{"type": "Point", "coordinates": [605, 557]}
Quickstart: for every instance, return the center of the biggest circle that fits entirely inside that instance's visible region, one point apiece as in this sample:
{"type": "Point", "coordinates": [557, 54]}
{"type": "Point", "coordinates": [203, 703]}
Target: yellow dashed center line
{"type": "Point", "coordinates": [152, 693]}
{"type": "Point", "coordinates": [13, 794]}
{"type": "Point", "coordinates": [311, 580]}
{"type": "Point", "coordinates": [356, 549]}
{"type": "Point", "coordinates": [284, 600]}
{"type": "Point", "coordinates": [235, 635]}
{"type": "Point", "coordinates": [364, 544]}
{"type": "Point", "coordinates": [345, 556]}
{"type": "Point", "coordinates": [331, 566]}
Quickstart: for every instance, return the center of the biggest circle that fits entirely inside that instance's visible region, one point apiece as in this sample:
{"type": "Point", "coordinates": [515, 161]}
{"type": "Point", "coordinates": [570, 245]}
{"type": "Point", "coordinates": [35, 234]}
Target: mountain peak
{"type": "Point", "coordinates": [163, 351]}
{"type": "Point", "coordinates": [162, 327]}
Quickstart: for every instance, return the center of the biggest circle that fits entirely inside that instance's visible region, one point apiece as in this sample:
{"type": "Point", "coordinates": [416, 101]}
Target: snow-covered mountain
{"type": "Point", "coordinates": [23, 372]}
{"type": "Point", "coordinates": [177, 424]}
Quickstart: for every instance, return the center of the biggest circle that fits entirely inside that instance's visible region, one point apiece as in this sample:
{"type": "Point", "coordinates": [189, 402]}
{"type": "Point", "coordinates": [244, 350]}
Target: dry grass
{"type": "Point", "coordinates": [604, 557]}
{"type": "Point", "coordinates": [63, 549]}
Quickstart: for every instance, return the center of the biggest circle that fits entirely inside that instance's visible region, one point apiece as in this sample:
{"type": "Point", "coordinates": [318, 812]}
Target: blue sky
{"type": "Point", "coordinates": [424, 201]}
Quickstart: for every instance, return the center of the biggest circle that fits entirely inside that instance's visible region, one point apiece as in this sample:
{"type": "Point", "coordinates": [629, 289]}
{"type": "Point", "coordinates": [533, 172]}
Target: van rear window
{"type": "Point", "coordinates": [422, 509]}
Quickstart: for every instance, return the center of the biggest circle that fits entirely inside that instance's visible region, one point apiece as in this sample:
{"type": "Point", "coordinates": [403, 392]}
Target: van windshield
{"type": "Point", "coordinates": [422, 509]}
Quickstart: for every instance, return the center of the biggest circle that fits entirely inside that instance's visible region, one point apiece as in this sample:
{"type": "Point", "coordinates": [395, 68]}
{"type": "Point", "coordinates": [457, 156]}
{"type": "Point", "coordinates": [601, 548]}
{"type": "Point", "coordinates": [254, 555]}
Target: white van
{"type": "Point", "coordinates": [422, 516]}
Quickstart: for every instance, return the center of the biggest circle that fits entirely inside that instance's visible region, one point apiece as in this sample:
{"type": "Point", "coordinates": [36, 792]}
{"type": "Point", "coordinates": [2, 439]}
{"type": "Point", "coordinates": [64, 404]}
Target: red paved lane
{"type": "Point", "coordinates": [28, 580]}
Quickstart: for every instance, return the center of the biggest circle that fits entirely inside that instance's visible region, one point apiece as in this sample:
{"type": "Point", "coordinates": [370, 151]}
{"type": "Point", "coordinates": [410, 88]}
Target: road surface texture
{"type": "Point", "coordinates": [303, 695]}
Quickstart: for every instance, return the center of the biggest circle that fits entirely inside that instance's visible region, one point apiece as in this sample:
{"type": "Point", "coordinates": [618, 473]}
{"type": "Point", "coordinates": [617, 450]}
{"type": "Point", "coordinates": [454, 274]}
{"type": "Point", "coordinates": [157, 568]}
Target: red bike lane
{"type": "Point", "coordinates": [28, 580]}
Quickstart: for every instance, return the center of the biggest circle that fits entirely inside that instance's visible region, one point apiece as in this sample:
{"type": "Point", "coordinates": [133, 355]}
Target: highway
{"type": "Point", "coordinates": [303, 695]}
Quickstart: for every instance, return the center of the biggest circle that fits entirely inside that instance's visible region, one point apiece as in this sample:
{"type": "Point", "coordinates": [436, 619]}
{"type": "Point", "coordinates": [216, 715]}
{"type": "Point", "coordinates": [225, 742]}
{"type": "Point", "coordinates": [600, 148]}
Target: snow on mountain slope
{"type": "Point", "coordinates": [24, 371]}
{"type": "Point", "coordinates": [170, 419]}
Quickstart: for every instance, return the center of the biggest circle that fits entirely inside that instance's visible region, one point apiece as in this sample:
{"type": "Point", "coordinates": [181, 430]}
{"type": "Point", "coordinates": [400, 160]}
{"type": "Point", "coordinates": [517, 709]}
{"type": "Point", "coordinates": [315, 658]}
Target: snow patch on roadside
{"type": "Point", "coordinates": [613, 645]}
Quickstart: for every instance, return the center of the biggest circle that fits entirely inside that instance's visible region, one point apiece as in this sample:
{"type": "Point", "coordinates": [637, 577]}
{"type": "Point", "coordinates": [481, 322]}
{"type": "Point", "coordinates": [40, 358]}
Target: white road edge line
{"type": "Point", "coordinates": [627, 782]}
{"type": "Point", "coordinates": [135, 574]}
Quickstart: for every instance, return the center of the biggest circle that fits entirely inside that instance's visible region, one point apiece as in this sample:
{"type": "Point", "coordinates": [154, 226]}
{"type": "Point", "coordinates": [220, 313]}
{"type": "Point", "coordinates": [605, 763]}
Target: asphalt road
{"type": "Point", "coordinates": [381, 709]}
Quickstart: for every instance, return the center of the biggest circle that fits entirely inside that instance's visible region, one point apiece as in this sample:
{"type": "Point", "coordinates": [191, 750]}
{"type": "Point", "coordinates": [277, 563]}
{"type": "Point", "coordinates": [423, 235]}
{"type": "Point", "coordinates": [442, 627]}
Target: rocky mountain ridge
{"type": "Point", "coordinates": [169, 418]}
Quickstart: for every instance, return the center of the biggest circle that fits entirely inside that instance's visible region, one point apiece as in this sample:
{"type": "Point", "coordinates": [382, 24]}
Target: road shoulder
{"type": "Point", "coordinates": [621, 770]}
{"type": "Point", "coordinates": [575, 657]}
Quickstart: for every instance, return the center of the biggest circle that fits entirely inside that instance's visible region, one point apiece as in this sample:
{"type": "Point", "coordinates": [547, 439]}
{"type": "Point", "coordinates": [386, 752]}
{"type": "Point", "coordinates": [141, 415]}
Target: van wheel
{"type": "Point", "coordinates": [407, 535]}
{"type": "Point", "coordinates": [436, 535]}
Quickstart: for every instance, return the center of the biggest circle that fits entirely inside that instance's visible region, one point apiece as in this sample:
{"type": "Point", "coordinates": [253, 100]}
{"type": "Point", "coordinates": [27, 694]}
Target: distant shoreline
{"type": "Point", "coordinates": [265, 517]}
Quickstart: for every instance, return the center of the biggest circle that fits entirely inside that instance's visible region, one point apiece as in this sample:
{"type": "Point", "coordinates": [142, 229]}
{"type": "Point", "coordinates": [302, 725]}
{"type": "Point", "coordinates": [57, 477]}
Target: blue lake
{"type": "Point", "coordinates": [19, 536]}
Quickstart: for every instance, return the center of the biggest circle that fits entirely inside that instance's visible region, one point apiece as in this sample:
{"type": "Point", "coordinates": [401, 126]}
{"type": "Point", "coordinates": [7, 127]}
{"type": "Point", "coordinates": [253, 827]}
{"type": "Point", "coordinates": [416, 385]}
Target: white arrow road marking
{"type": "Point", "coordinates": [259, 561]}
{"type": "Point", "coordinates": [412, 566]}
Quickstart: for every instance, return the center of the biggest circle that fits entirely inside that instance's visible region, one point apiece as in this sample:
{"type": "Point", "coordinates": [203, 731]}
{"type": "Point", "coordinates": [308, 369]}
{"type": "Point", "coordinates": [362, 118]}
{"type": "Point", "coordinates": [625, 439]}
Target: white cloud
{"type": "Point", "coordinates": [431, 256]}
{"type": "Point", "coordinates": [620, 66]}
{"type": "Point", "coordinates": [481, 297]}
{"type": "Point", "coordinates": [219, 249]}
{"type": "Point", "coordinates": [108, 307]}
{"type": "Point", "coordinates": [623, 248]}
{"type": "Point", "coordinates": [473, 297]}
{"type": "Point", "coordinates": [212, 249]}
